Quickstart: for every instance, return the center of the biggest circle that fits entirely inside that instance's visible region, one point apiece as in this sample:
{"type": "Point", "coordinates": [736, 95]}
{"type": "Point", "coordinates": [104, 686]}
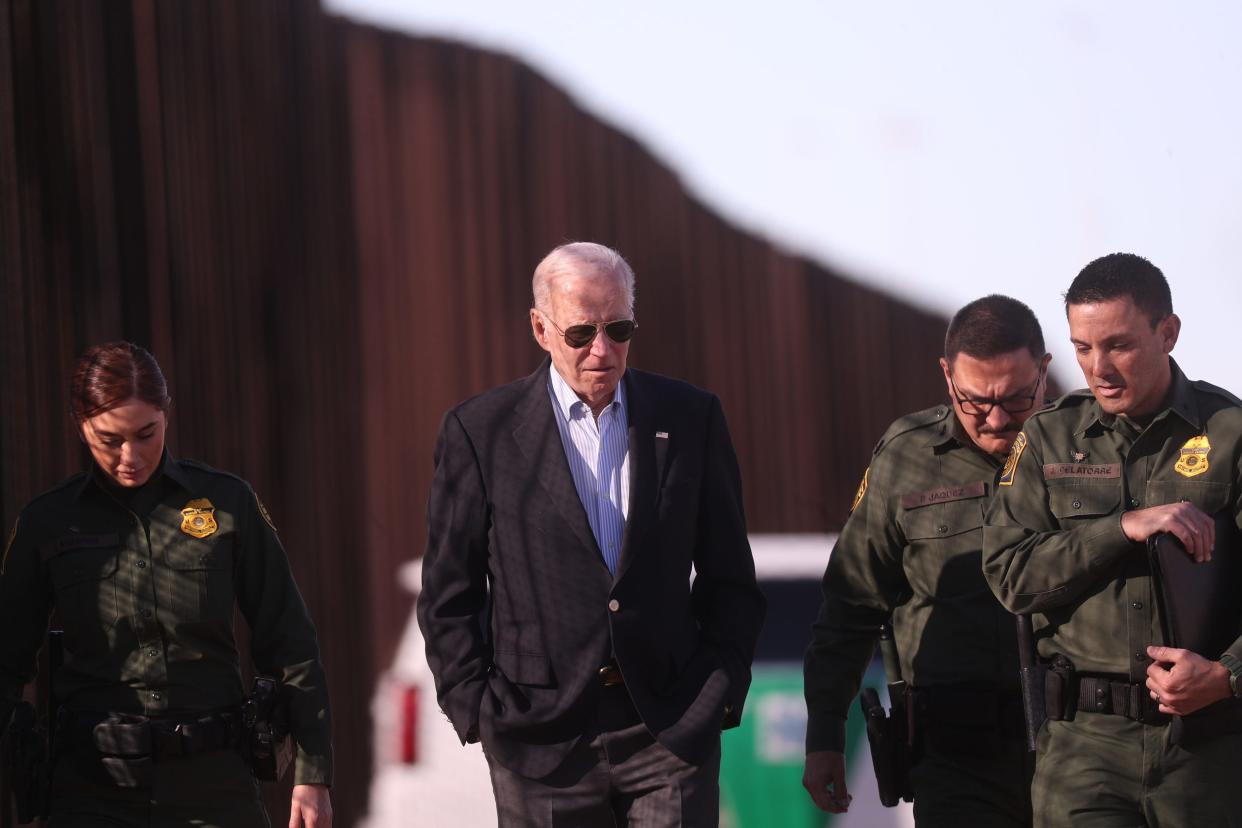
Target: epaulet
{"type": "Point", "coordinates": [912, 422]}
{"type": "Point", "coordinates": [1073, 399]}
{"type": "Point", "coordinates": [199, 466]}
{"type": "Point", "coordinates": [67, 483]}
{"type": "Point", "coordinates": [1215, 390]}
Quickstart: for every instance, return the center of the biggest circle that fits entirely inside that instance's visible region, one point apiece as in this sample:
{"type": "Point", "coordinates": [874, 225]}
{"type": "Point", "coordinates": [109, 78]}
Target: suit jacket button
{"type": "Point", "coordinates": [614, 605]}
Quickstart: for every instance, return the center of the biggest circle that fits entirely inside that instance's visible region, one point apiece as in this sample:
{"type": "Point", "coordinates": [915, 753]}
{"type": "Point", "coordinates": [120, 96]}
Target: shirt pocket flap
{"type": "Point", "coordinates": [194, 555]}
{"type": "Point", "coordinates": [943, 520]}
{"type": "Point", "coordinates": [530, 669]}
{"type": "Point", "coordinates": [77, 558]}
{"type": "Point", "coordinates": [1083, 500]}
{"type": "Point", "coordinates": [1210, 497]}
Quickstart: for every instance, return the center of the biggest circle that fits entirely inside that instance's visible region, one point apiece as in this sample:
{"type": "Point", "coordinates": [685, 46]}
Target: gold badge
{"type": "Point", "coordinates": [862, 490]}
{"type": "Point", "coordinates": [1194, 459]}
{"type": "Point", "coordinates": [1011, 464]}
{"type": "Point", "coordinates": [198, 518]}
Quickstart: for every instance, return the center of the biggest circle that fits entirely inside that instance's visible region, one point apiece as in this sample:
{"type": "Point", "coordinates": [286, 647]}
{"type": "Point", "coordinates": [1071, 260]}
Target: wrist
{"type": "Point", "coordinates": [1225, 681]}
{"type": "Point", "coordinates": [1232, 676]}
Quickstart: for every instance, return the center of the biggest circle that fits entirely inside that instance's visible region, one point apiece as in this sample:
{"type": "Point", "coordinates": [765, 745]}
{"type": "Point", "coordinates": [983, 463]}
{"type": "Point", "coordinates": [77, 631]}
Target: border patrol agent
{"type": "Point", "coordinates": [1143, 450]}
{"type": "Point", "coordinates": [911, 549]}
{"type": "Point", "coordinates": [143, 558]}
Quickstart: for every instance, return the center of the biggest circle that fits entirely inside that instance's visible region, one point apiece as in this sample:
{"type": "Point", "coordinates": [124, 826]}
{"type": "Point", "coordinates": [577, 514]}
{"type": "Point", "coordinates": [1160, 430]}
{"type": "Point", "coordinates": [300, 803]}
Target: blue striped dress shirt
{"type": "Point", "coordinates": [599, 460]}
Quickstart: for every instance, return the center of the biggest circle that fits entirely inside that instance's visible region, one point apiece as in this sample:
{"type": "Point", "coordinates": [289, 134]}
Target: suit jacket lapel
{"type": "Point", "coordinates": [647, 462]}
{"type": "Point", "coordinates": [540, 443]}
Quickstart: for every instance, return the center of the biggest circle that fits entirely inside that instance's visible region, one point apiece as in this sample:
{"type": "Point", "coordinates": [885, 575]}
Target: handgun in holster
{"type": "Point", "coordinates": [265, 716]}
{"type": "Point", "coordinates": [890, 733]}
{"type": "Point", "coordinates": [26, 749]}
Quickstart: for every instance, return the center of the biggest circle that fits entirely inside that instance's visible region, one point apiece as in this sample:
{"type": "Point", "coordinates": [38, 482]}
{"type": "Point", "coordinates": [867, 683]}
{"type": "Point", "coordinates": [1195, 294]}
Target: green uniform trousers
{"type": "Point", "coordinates": [1106, 771]}
{"type": "Point", "coordinates": [211, 790]}
{"type": "Point", "coordinates": [972, 777]}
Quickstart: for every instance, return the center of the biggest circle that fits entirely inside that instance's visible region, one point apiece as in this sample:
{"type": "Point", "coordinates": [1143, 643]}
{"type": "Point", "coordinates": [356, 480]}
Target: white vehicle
{"type": "Point", "coordinates": [424, 776]}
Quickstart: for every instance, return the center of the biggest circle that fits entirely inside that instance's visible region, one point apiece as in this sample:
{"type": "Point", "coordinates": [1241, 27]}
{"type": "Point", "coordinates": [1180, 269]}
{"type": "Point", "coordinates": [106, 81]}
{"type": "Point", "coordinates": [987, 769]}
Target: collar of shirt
{"type": "Point", "coordinates": [567, 400]}
{"type": "Point", "coordinates": [169, 469]}
{"type": "Point", "coordinates": [950, 435]}
{"type": "Point", "coordinates": [1180, 399]}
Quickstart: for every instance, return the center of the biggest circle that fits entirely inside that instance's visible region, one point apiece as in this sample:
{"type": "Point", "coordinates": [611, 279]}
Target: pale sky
{"type": "Point", "coordinates": [939, 151]}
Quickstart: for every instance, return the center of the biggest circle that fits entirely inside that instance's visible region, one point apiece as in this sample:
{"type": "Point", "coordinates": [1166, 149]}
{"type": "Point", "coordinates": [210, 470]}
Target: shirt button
{"type": "Point", "coordinates": [942, 529]}
{"type": "Point", "coordinates": [155, 696]}
{"type": "Point", "coordinates": [1137, 605]}
{"type": "Point", "coordinates": [1134, 503]}
{"type": "Point", "coordinates": [1077, 504]}
{"type": "Point", "coordinates": [153, 653]}
{"type": "Point", "coordinates": [142, 564]}
{"type": "Point", "coordinates": [614, 605]}
{"type": "Point", "coordinates": [1140, 656]}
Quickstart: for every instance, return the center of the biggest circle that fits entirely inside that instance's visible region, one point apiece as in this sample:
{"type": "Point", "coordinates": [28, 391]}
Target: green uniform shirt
{"type": "Point", "coordinates": [144, 585]}
{"type": "Point", "coordinates": [910, 548]}
{"type": "Point", "coordinates": [1053, 544]}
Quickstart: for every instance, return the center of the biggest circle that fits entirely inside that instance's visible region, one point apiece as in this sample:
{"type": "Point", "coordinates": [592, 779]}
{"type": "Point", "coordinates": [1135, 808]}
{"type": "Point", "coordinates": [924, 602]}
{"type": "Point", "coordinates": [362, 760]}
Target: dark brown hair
{"type": "Point", "coordinates": [1123, 276]}
{"type": "Point", "coordinates": [992, 326]}
{"type": "Point", "coordinates": [109, 374]}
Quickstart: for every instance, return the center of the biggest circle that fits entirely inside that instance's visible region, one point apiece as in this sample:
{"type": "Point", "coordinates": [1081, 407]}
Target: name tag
{"type": "Point", "coordinates": [945, 494]}
{"type": "Point", "coordinates": [1055, 471]}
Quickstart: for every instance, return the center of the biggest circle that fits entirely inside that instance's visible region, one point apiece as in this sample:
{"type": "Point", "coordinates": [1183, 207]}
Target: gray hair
{"type": "Point", "coordinates": [582, 259]}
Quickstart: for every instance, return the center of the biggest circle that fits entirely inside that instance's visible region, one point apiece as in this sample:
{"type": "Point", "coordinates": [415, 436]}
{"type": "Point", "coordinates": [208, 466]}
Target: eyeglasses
{"type": "Point", "coordinates": [982, 407]}
{"type": "Point", "coordinates": [580, 336]}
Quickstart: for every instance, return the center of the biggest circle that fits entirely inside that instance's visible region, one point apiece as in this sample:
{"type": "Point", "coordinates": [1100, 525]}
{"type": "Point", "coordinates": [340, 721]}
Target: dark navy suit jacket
{"type": "Point", "coordinates": [519, 610]}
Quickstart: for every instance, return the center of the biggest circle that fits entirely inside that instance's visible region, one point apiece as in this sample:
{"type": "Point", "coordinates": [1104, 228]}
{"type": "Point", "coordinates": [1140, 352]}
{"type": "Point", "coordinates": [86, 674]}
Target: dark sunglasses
{"type": "Point", "coordinates": [580, 336]}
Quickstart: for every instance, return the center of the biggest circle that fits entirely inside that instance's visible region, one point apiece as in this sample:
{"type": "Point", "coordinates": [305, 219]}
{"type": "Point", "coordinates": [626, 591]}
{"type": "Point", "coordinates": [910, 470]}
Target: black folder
{"type": "Point", "coordinates": [1200, 604]}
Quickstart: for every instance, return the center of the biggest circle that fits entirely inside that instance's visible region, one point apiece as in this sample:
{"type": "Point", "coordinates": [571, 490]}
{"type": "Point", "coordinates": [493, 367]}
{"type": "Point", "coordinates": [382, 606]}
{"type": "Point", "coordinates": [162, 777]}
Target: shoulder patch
{"type": "Point", "coordinates": [4, 559]}
{"type": "Point", "coordinates": [862, 490]}
{"type": "Point", "coordinates": [1011, 463]}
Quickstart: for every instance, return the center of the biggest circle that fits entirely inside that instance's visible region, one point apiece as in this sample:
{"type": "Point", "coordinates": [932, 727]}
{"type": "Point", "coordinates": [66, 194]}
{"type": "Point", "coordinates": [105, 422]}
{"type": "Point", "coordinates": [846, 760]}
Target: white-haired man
{"type": "Point", "coordinates": [567, 512]}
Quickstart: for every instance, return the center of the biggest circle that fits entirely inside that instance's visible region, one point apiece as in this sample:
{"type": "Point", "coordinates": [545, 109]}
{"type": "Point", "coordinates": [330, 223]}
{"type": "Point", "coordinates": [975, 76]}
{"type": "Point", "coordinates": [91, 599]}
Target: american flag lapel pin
{"type": "Point", "coordinates": [661, 435]}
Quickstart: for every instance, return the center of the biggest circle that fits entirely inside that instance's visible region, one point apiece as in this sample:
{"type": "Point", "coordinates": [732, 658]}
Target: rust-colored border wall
{"type": "Point", "coordinates": [326, 232]}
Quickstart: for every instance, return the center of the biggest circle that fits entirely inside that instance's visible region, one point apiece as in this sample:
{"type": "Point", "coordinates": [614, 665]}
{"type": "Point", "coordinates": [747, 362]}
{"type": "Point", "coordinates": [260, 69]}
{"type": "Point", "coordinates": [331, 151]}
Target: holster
{"type": "Point", "coordinates": [265, 716]}
{"type": "Point", "coordinates": [1060, 689]}
{"type": "Point", "coordinates": [889, 735]}
{"type": "Point", "coordinates": [23, 748]}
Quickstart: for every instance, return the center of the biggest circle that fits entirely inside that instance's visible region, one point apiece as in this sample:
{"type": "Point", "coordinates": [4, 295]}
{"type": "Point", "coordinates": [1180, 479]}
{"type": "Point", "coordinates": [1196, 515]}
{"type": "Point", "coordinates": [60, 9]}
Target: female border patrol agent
{"type": "Point", "coordinates": [143, 557]}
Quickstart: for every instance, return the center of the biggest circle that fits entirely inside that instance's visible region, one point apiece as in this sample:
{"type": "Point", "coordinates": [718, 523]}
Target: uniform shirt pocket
{"type": "Point", "coordinates": [1212, 498]}
{"type": "Point", "coordinates": [944, 546]}
{"type": "Point", "coordinates": [83, 570]}
{"type": "Point", "coordinates": [1071, 501]}
{"type": "Point", "coordinates": [202, 582]}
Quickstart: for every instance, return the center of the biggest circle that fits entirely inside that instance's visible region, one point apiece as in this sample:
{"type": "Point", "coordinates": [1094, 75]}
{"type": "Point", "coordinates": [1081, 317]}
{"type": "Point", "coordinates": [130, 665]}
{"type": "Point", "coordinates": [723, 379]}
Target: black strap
{"type": "Point", "coordinates": [114, 734]}
{"type": "Point", "coordinates": [1118, 697]}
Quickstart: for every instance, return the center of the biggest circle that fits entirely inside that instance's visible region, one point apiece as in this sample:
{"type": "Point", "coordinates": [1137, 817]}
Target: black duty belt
{"type": "Point", "coordinates": [161, 739]}
{"type": "Point", "coordinates": [1119, 696]}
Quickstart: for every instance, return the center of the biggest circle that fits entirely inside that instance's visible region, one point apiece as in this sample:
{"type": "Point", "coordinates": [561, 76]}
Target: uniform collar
{"type": "Point", "coordinates": [948, 431]}
{"type": "Point", "coordinates": [1179, 400]}
{"type": "Point", "coordinates": [170, 469]}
